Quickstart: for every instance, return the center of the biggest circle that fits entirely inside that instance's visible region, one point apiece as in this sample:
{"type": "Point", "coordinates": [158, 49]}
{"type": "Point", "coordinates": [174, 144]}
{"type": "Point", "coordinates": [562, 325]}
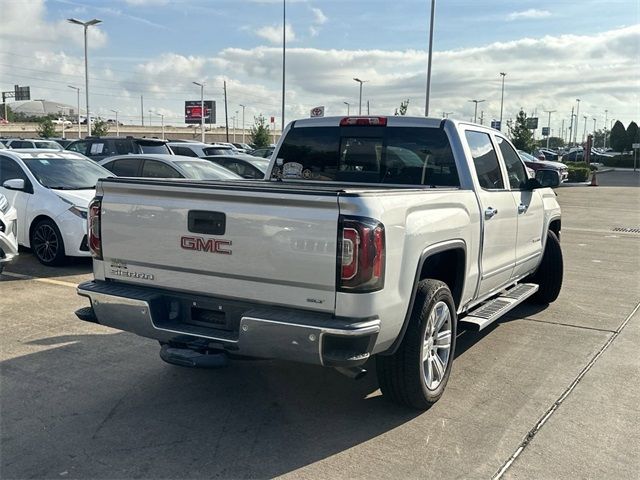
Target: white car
{"type": "Point", "coordinates": [40, 144]}
{"type": "Point", "coordinates": [8, 240]}
{"type": "Point", "coordinates": [51, 192]}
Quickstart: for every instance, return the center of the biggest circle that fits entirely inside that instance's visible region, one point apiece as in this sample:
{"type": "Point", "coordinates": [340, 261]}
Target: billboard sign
{"type": "Point", "coordinates": [193, 111]}
{"type": "Point", "coordinates": [21, 93]}
{"type": "Point", "coordinates": [545, 131]}
{"type": "Point", "coordinates": [532, 123]}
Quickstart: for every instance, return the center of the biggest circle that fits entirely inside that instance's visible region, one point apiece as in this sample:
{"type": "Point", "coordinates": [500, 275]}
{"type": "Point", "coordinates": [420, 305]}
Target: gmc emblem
{"type": "Point", "coordinates": [205, 245]}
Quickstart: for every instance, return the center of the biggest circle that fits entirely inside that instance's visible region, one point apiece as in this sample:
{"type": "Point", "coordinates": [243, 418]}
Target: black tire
{"type": "Point", "coordinates": [550, 271]}
{"type": "Point", "coordinates": [401, 376]}
{"type": "Point", "coordinates": [47, 243]}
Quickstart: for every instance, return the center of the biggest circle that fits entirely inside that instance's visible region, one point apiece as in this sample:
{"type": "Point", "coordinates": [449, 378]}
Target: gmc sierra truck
{"type": "Point", "coordinates": [370, 236]}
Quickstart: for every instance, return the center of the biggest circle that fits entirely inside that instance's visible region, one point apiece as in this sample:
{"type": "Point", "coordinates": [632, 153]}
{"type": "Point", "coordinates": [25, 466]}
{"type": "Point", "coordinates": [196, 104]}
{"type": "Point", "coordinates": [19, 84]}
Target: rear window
{"type": "Point", "coordinates": [218, 151]}
{"type": "Point", "coordinates": [154, 148]}
{"type": "Point", "coordinates": [395, 155]}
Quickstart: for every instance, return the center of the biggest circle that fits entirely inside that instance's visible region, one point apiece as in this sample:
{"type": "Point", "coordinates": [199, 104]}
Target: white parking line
{"type": "Point", "coordinates": [39, 279]}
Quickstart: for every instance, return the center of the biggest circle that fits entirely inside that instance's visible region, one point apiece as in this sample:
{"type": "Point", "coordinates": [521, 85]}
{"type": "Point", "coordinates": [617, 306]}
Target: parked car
{"type": "Point", "coordinates": [536, 164]}
{"type": "Point", "coordinates": [244, 165]}
{"type": "Point", "coordinates": [97, 148]}
{"type": "Point", "coordinates": [166, 166]}
{"type": "Point", "coordinates": [8, 232]}
{"type": "Point", "coordinates": [199, 149]}
{"type": "Point", "coordinates": [262, 152]}
{"type": "Point", "coordinates": [51, 191]}
{"type": "Point", "coordinates": [62, 121]}
{"type": "Point", "coordinates": [347, 252]}
{"type": "Point", "coordinates": [242, 147]}
{"type": "Point", "coordinates": [63, 142]}
{"type": "Point", "coordinates": [16, 143]}
{"type": "Point", "coordinates": [548, 154]}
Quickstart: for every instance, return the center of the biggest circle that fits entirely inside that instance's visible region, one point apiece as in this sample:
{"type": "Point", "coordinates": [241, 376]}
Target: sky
{"type": "Point", "coordinates": [552, 51]}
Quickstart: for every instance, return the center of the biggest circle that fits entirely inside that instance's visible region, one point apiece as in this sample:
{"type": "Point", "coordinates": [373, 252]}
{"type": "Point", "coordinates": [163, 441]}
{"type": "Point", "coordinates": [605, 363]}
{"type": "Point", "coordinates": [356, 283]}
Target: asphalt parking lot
{"type": "Point", "coordinates": [544, 393]}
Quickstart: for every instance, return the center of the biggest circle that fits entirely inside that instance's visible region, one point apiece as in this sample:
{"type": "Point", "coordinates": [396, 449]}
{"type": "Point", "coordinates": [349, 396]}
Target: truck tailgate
{"type": "Point", "coordinates": [264, 245]}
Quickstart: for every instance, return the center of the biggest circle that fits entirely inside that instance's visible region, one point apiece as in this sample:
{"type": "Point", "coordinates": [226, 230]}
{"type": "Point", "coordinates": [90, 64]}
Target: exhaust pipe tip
{"type": "Point", "coordinates": [354, 373]}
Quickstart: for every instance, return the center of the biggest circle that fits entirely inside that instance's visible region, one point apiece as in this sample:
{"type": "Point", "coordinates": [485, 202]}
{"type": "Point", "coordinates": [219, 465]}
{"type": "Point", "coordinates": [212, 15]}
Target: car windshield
{"type": "Point", "coordinates": [155, 148]}
{"type": "Point", "coordinates": [66, 173]}
{"type": "Point", "coordinates": [205, 171]}
{"type": "Point", "coordinates": [527, 157]}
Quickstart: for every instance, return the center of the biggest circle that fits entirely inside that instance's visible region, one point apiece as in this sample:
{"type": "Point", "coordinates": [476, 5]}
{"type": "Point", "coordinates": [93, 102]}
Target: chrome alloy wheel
{"type": "Point", "coordinates": [436, 348]}
{"type": "Point", "coordinates": [46, 243]}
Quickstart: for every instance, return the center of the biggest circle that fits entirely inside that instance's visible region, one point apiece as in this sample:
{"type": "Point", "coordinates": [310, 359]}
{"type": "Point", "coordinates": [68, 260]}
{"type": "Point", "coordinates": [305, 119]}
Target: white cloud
{"type": "Point", "coordinates": [273, 33]}
{"type": "Point", "coordinates": [146, 3]}
{"type": "Point", "coordinates": [319, 18]}
{"type": "Point", "coordinates": [532, 13]}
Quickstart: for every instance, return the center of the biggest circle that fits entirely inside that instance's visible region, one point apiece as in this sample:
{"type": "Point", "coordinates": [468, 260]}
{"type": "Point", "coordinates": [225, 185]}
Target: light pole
{"type": "Point", "coordinates": [575, 132]}
{"type": "Point", "coordinates": [161, 123]}
{"type": "Point", "coordinates": [64, 118]}
{"type": "Point", "coordinates": [584, 133]}
{"type": "Point", "coordinates": [446, 114]}
{"type": "Point", "coordinates": [502, 74]}
{"type": "Point", "coordinates": [426, 104]}
{"type": "Point", "coordinates": [549, 125]}
{"type": "Point", "coordinates": [201, 85]}
{"type": "Point", "coordinates": [243, 107]}
{"type": "Point", "coordinates": [233, 123]}
{"type": "Point", "coordinates": [348, 105]}
{"type": "Point", "coordinates": [475, 112]}
{"type": "Point", "coordinates": [594, 129]}
{"type": "Point", "coordinates": [117, 123]}
{"type": "Point", "coordinates": [235, 126]}
{"type": "Point", "coordinates": [77, 89]}
{"type": "Point", "coordinates": [606, 112]}
{"type": "Point", "coordinates": [284, 56]}
{"type": "Point", "coordinates": [360, 102]}
{"type": "Point", "coordinates": [150, 113]}
{"type": "Point", "coordinates": [86, 25]}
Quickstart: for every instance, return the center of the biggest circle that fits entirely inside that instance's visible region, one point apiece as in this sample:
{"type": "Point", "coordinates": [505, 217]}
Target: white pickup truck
{"type": "Point", "coordinates": [370, 236]}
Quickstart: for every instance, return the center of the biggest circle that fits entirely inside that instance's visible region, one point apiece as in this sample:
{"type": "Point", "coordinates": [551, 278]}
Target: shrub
{"type": "Point", "coordinates": [580, 164]}
{"type": "Point", "coordinates": [579, 174]}
{"type": "Point", "coordinates": [620, 161]}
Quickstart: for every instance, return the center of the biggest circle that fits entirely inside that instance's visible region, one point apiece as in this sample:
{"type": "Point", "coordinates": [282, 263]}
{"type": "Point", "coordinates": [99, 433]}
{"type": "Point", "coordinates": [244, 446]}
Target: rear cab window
{"type": "Point", "coordinates": [388, 155]}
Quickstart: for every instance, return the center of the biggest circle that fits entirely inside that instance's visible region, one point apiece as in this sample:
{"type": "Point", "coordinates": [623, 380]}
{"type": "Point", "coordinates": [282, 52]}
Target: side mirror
{"type": "Point", "coordinates": [532, 184]}
{"type": "Point", "coordinates": [547, 178]}
{"type": "Point", "coordinates": [14, 184]}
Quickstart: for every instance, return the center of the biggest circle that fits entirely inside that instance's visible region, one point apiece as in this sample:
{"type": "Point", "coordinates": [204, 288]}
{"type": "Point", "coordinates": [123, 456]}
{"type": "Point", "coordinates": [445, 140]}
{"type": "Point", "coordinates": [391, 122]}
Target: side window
{"type": "Point", "coordinates": [123, 147]}
{"type": "Point", "coordinates": [515, 167]}
{"type": "Point", "coordinates": [9, 170]}
{"type": "Point", "coordinates": [124, 168]}
{"type": "Point", "coordinates": [21, 144]}
{"type": "Point", "coordinates": [187, 152]}
{"type": "Point", "coordinates": [80, 147]}
{"type": "Point", "coordinates": [153, 169]}
{"type": "Point", "coordinates": [485, 160]}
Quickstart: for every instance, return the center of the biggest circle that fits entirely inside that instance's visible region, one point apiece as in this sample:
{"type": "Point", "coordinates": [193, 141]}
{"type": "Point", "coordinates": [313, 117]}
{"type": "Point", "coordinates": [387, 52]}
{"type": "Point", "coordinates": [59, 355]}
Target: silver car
{"type": "Point", "coordinates": [166, 166]}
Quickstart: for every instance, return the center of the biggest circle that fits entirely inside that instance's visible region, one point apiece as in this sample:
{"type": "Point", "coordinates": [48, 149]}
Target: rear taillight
{"type": "Point", "coordinates": [94, 227]}
{"type": "Point", "coordinates": [361, 255]}
{"type": "Point", "coordinates": [364, 121]}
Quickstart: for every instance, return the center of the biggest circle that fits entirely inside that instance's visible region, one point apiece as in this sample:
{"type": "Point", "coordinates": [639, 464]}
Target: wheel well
{"type": "Point", "coordinates": [447, 266]}
{"type": "Point", "coordinates": [35, 222]}
{"type": "Point", "coordinates": [554, 226]}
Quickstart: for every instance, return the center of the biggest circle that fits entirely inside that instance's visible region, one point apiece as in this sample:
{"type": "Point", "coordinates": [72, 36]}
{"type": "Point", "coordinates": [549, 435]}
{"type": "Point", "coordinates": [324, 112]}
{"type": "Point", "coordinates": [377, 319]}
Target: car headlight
{"type": "Point", "coordinates": [4, 204]}
{"type": "Point", "coordinates": [79, 211]}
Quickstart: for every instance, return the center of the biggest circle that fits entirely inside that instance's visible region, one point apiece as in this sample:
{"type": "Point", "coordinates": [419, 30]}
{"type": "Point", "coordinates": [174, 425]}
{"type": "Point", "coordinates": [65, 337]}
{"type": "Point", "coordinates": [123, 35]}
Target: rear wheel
{"type": "Point", "coordinates": [417, 373]}
{"type": "Point", "coordinates": [47, 243]}
{"type": "Point", "coordinates": [550, 272]}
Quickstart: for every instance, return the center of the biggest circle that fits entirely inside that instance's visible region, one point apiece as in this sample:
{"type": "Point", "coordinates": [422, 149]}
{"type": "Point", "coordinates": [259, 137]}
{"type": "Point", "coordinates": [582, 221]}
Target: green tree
{"type": "Point", "coordinates": [259, 133]}
{"type": "Point", "coordinates": [633, 135]}
{"type": "Point", "coordinates": [618, 136]}
{"type": "Point", "coordinates": [403, 108]}
{"type": "Point", "coordinates": [521, 136]}
{"type": "Point", "coordinates": [46, 128]}
{"type": "Point", "coordinates": [99, 128]}
{"type": "Point", "coordinates": [554, 142]}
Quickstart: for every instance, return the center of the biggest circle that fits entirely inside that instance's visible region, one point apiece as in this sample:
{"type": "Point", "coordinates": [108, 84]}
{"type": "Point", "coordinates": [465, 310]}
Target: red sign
{"type": "Point", "coordinates": [273, 119]}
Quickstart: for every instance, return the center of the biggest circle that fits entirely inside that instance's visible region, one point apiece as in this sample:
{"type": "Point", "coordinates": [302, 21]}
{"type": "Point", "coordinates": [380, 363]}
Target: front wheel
{"type": "Point", "coordinates": [417, 373]}
{"type": "Point", "coordinates": [47, 243]}
{"type": "Point", "coordinates": [550, 272]}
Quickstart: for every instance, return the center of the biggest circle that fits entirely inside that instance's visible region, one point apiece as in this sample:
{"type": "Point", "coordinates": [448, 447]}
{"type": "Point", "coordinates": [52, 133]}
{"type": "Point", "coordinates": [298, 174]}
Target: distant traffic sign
{"type": "Point", "coordinates": [495, 124]}
{"type": "Point", "coordinates": [532, 123]}
{"type": "Point", "coordinates": [545, 131]}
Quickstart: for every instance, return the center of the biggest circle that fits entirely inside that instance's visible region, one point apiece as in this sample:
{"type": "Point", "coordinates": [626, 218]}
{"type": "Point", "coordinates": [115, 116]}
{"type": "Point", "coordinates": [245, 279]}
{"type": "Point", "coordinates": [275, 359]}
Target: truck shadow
{"type": "Point", "coordinates": [105, 406]}
{"type": "Point", "coordinates": [27, 264]}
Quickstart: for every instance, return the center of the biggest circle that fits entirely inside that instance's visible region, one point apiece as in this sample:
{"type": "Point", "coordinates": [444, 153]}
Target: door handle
{"type": "Point", "coordinates": [490, 212]}
{"type": "Point", "coordinates": [522, 208]}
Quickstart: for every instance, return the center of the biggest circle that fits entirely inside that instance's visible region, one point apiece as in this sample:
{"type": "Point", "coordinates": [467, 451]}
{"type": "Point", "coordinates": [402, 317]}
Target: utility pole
{"type": "Point", "coordinates": [142, 110]}
{"type": "Point", "coordinates": [433, 11]}
{"type": "Point", "coordinates": [226, 114]}
{"type": "Point", "coordinates": [150, 118]}
{"type": "Point", "coordinates": [243, 107]}
{"type": "Point", "coordinates": [549, 125]}
{"type": "Point", "coordinates": [475, 112]}
{"type": "Point", "coordinates": [562, 130]}
{"type": "Point", "coordinates": [502, 74]}
{"type": "Point", "coordinates": [117, 123]}
{"type": "Point", "coordinates": [77, 89]}
{"type": "Point", "coordinates": [481, 117]}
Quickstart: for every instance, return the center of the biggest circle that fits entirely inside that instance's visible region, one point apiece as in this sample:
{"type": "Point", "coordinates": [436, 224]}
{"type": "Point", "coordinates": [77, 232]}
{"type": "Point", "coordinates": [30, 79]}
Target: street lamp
{"type": "Point", "coordinates": [584, 133]}
{"type": "Point", "coordinates": [348, 105]}
{"type": "Point", "coordinates": [549, 125]}
{"type": "Point", "coordinates": [575, 133]}
{"type": "Point", "coordinates": [426, 104]}
{"type": "Point", "coordinates": [502, 74]}
{"type": "Point", "coordinates": [86, 25]}
{"type": "Point", "coordinates": [606, 112]}
{"type": "Point", "coordinates": [77, 89]}
{"type": "Point", "coordinates": [475, 112]}
{"type": "Point", "coordinates": [284, 59]}
{"type": "Point", "coordinates": [64, 118]}
{"type": "Point", "coordinates": [150, 113]}
{"type": "Point", "coordinates": [117, 123]}
{"type": "Point", "coordinates": [201, 85]}
{"type": "Point", "coordinates": [360, 103]}
{"type": "Point", "coordinates": [243, 107]}
{"type": "Point", "coordinates": [446, 114]}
